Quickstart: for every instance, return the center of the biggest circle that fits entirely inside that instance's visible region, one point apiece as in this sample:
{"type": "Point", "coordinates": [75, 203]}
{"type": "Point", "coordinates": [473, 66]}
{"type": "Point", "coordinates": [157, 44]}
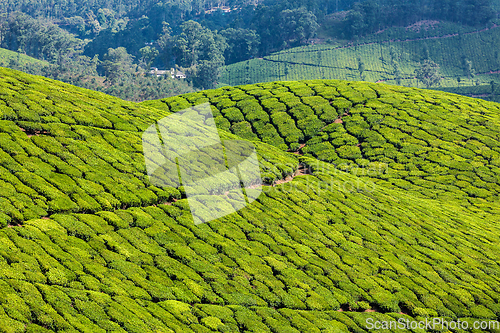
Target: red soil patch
{"type": "Point", "coordinates": [281, 181]}
{"type": "Point", "coordinates": [492, 72]}
{"type": "Point", "coordinates": [302, 170]}
{"type": "Point", "coordinates": [424, 24]}
{"type": "Point", "coordinates": [167, 202]}
{"type": "Point", "coordinates": [254, 186]}
{"type": "Point", "coordinates": [30, 133]}
{"type": "Point", "coordinates": [374, 309]}
{"type": "Point", "coordinates": [339, 119]}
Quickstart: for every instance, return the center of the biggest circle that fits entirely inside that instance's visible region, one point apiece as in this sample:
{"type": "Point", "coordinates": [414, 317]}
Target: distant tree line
{"type": "Point", "coordinates": [114, 73]}
{"type": "Point", "coordinates": [372, 15]}
{"type": "Point", "coordinates": [37, 38]}
{"type": "Point", "coordinates": [119, 40]}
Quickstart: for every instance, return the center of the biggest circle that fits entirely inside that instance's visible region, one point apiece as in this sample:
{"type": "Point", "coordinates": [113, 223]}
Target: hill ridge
{"type": "Point", "coordinates": [353, 233]}
{"type": "Point", "coordinates": [390, 56]}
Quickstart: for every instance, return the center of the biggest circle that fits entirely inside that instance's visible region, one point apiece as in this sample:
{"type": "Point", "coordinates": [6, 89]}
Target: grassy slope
{"type": "Point", "coordinates": [108, 255]}
{"type": "Point", "coordinates": [484, 91]}
{"type": "Point", "coordinates": [378, 52]}
{"type": "Point", "coordinates": [6, 56]}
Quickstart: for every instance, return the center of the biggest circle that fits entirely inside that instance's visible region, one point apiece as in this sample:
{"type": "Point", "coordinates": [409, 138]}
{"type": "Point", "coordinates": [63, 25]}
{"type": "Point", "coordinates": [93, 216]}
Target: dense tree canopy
{"type": "Point", "coordinates": [371, 15]}
{"type": "Point", "coordinates": [202, 36]}
{"type": "Point", "coordinates": [298, 25]}
{"type": "Point", "coordinates": [118, 63]}
{"type": "Point", "coordinates": [200, 52]}
{"type": "Point", "coordinates": [39, 39]}
{"type": "Point", "coordinates": [280, 27]}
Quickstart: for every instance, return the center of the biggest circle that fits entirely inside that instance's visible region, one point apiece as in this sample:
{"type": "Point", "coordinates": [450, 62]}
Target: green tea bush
{"type": "Point", "coordinates": [85, 202]}
{"type": "Point", "coordinates": [224, 103]}
{"type": "Point", "coordinates": [233, 115]}
{"type": "Point", "coordinates": [222, 123]}
{"type": "Point", "coordinates": [341, 104]}
{"type": "Point", "coordinates": [272, 105]}
{"type": "Point", "coordinates": [306, 247]}
{"type": "Point", "coordinates": [62, 204]}
{"type": "Point", "coordinates": [248, 320]}
{"type": "Point", "coordinates": [10, 146]}
{"type": "Point", "coordinates": [258, 117]}
{"type": "Point", "coordinates": [249, 106]}
{"type": "Point", "coordinates": [244, 130]}
{"type": "Point", "coordinates": [310, 126]}
{"type": "Point", "coordinates": [7, 113]}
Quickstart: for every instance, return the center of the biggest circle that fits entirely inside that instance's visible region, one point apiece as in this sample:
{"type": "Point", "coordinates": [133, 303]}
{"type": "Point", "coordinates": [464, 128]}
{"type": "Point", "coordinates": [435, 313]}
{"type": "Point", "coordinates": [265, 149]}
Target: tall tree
{"type": "Point", "coordinates": [361, 68]}
{"type": "Point", "coordinates": [297, 25]}
{"type": "Point", "coordinates": [428, 73]}
{"type": "Point", "coordinates": [476, 12]}
{"type": "Point", "coordinates": [36, 38]}
{"type": "Point", "coordinates": [148, 55]}
{"type": "Point", "coordinates": [469, 71]}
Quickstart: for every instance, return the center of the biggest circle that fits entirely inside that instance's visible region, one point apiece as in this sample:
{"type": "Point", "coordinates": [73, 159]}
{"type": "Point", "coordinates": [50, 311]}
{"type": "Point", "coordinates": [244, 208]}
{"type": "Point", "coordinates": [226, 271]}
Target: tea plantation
{"type": "Point", "coordinates": [394, 213]}
{"type": "Point", "coordinates": [390, 56]}
{"type": "Point", "coordinates": [7, 56]}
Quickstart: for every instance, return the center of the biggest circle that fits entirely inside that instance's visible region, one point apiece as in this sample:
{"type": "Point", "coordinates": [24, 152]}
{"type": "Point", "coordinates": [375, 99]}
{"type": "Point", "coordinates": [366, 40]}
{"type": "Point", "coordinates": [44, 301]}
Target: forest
{"type": "Point", "coordinates": [111, 45]}
{"type": "Point", "coordinates": [378, 199]}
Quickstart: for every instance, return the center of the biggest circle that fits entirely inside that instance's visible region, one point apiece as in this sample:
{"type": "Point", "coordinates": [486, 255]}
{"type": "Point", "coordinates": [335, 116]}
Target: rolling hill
{"type": "Point", "coordinates": [379, 202]}
{"type": "Point", "coordinates": [390, 56]}
{"type": "Point", "coordinates": [15, 59]}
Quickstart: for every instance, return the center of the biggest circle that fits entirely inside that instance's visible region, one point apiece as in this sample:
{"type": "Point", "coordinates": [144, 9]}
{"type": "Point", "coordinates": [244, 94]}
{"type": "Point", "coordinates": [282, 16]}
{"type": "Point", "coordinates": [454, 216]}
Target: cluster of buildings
{"type": "Point", "coordinates": [174, 74]}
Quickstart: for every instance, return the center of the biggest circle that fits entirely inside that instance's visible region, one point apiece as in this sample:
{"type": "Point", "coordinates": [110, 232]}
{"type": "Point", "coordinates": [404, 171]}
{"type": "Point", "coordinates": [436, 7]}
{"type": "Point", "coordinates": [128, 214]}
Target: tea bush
{"type": "Point", "coordinates": [403, 221]}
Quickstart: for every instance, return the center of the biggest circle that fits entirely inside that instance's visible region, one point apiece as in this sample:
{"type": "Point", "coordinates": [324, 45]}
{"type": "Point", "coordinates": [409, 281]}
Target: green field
{"type": "Point", "coordinates": [379, 53]}
{"type": "Point", "coordinates": [11, 58]}
{"type": "Point", "coordinates": [488, 92]}
{"type": "Point", "coordinates": [396, 217]}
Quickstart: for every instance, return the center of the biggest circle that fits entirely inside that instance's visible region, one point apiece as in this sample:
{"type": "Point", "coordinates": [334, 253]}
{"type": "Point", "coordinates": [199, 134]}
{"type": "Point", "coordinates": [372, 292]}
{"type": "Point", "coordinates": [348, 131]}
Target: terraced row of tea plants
{"type": "Point", "coordinates": [70, 150]}
{"type": "Point", "coordinates": [287, 263]}
{"type": "Point", "coordinates": [320, 253]}
{"type": "Point", "coordinates": [437, 144]}
{"type": "Point", "coordinates": [391, 57]}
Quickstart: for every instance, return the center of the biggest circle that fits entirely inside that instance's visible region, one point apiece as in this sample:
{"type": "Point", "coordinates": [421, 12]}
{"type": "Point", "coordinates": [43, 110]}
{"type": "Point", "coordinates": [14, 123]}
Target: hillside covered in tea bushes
{"type": "Point", "coordinates": [385, 206]}
{"type": "Point", "coordinates": [429, 143]}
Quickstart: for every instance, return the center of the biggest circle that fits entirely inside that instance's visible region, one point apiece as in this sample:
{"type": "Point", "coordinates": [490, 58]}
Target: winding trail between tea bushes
{"type": "Point", "coordinates": [374, 308]}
